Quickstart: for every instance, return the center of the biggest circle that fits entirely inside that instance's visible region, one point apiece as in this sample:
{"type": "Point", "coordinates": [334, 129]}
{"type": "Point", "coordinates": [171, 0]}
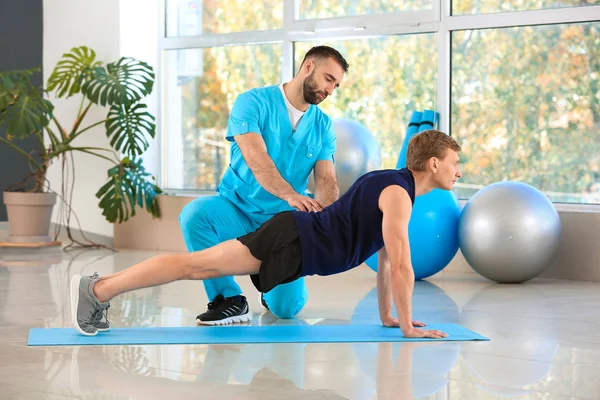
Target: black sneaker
{"type": "Point", "coordinates": [261, 297]}
{"type": "Point", "coordinates": [223, 311]}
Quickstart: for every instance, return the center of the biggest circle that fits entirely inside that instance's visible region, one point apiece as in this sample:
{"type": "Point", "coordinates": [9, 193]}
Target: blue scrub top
{"type": "Point", "coordinates": [263, 111]}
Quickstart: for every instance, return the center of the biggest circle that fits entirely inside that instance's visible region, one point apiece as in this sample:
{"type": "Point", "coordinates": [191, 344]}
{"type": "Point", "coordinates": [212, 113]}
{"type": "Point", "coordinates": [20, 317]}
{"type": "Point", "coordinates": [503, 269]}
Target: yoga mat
{"type": "Point", "coordinates": [240, 334]}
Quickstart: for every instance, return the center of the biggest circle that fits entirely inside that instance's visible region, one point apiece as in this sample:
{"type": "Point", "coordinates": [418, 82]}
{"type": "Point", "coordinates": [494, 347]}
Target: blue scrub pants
{"type": "Point", "coordinates": [210, 220]}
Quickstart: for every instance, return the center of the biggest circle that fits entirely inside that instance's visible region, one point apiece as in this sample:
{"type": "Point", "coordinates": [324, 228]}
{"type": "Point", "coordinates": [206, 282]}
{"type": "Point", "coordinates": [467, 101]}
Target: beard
{"type": "Point", "coordinates": [311, 90]}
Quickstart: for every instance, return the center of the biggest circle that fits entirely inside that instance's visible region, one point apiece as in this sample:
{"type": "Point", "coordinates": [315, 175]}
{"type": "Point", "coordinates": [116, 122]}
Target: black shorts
{"type": "Point", "coordinates": [277, 245]}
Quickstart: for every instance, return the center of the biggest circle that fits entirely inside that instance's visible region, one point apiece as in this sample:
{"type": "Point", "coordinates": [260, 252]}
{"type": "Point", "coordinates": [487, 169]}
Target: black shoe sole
{"type": "Point", "coordinates": [226, 321]}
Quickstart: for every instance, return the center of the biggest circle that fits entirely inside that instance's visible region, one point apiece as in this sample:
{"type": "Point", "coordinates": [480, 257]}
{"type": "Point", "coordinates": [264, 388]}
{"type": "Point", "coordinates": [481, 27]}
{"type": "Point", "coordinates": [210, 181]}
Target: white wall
{"type": "Point", "coordinates": [111, 28]}
{"type": "Point", "coordinates": [138, 29]}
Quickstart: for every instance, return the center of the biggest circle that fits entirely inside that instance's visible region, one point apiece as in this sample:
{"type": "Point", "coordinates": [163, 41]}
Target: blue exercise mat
{"type": "Point", "coordinates": [240, 334]}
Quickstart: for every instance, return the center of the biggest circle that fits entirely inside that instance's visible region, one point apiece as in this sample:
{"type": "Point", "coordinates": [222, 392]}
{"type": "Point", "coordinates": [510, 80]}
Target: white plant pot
{"type": "Point", "coordinates": [29, 216]}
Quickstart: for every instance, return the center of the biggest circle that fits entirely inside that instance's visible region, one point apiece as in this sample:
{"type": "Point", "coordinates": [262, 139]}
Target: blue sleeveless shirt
{"type": "Point", "coordinates": [346, 233]}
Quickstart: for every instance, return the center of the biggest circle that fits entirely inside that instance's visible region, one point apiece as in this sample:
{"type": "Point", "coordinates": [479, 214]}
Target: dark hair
{"type": "Point", "coordinates": [427, 144]}
{"type": "Point", "coordinates": [324, 52]}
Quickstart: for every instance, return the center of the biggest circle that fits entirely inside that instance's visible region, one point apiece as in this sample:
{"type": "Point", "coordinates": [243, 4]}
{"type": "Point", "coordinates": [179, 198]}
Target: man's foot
{"type": "Point", "coordinates": [223, 311]}
{"type": "Point", "coordinates": [86, 310]}
{"type": "Point", "coordinates": [101, 321]}
{"type": "Point", "coordinates": [261, 297]}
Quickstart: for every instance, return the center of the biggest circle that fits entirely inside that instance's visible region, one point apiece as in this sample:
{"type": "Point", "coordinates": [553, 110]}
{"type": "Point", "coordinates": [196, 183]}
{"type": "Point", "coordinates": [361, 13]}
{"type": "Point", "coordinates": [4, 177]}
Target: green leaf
{"type": "Point", "coordinates": [123, 82]}
{"type": "Point", "coordinates": [23, 109]}
{"type": "Point", "coordinates": [12, 83]}
{"type": "Point", "coordinates": [72, 71]}
{"type": "Point", "coordinates": [128, 127]}
{"type": "Point", "coordinates": [7, 96]}
{"type": "Point", "coordinates": [129, 185]}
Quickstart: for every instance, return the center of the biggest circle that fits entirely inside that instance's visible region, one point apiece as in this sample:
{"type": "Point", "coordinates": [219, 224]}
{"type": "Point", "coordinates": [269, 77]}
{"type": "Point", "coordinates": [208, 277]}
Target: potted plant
{"type": "Point", "coordinates": [25, 111]}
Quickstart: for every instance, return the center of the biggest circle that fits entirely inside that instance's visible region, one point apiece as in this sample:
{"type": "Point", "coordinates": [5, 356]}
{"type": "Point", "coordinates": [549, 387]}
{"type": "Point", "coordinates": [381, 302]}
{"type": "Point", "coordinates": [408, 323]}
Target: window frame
{"type": "Point", "coordinates": [436, 20]}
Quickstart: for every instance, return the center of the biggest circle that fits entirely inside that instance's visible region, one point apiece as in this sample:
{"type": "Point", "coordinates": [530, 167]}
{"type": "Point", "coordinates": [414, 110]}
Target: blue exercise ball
{"type": "Point", "coordinates": [432, 231]}
{"type": "Point", "coordinates": [357, 152]}
{"type": "Point", "coordinates": [433, 226]}
{"type": "Point", "coordinates": [509, 232]}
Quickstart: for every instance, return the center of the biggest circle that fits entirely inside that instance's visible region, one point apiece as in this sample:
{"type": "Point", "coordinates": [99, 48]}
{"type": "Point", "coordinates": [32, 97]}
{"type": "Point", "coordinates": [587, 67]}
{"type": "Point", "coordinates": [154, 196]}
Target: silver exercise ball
{"type": "Point", "coordinates": [357, 153]}
{"type": "Point", "coordinates": [509, 232]}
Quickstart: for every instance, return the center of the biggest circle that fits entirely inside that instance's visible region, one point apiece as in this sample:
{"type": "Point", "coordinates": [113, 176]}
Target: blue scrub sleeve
{"type": "Point", "coordinates": [244, 116]}
{"type": "Point", "coordinates": [329, 145]}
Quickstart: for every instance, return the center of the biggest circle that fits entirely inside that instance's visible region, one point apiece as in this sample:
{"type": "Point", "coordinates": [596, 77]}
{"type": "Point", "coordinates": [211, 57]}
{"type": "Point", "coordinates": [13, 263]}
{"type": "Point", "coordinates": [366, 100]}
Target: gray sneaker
{"type": "Point", "coordinates": [101, 321]}
{"type": "Point", "coordinates": [86, 310]}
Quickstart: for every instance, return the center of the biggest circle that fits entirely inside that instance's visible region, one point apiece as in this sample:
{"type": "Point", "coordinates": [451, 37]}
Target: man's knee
{"type": "Point", "coordinates": [195, 213]}
{"type": "Point", "coordinates": [287, 304]}
{"type": "Point", "coordinates": [287, 309]}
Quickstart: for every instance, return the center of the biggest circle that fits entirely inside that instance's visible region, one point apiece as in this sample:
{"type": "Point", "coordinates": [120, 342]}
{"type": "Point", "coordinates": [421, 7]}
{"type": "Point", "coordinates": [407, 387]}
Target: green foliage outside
{"type": "Point", "coordinates": [525, 102]}
{"type": "Point", "coordinates": [493, 6]}
{"type": "Point", "coordinates": [526, 107]}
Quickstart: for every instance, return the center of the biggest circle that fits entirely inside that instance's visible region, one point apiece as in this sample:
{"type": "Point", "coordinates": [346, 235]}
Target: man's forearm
{"type": "Point", "coordinates": [384, 290]}
{"type": "Point", "coordinates": [327, 191]}
{"type": "Point", "coordinates": [403, 283]}
{"type": "Point", "coordinates": [268, 176]}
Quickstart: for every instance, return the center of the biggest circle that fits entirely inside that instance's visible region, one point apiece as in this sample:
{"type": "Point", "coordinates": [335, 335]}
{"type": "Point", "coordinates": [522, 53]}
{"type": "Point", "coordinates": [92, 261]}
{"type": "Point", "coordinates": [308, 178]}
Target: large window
{"type": "Point", "coordinates": [309, 9]}
{"type": "Point", "coordinates": [199, 17]}
{"type": "Point", "coordinates": [201, 86]}
{"type": "Point", "coordinates": [383, 98]}
{"type": "Point", "coordinates": [517, 82]}
{"type": "Point", "coordinates": [526, 107]}
{"type": "Point", "coordinates": [491, 6]}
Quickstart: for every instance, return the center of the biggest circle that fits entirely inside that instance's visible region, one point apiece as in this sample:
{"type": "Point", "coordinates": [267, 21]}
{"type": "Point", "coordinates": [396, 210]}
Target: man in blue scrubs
{"type": "Point", "coordinates": [279, 136]}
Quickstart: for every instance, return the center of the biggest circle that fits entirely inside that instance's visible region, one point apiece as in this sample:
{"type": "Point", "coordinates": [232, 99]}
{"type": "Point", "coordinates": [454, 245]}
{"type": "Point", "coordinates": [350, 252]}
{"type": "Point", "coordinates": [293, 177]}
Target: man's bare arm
{"type": "Point", "coordinates": [326, 185]}
{"type": "Point", "coordinates": [396, 206]}
{"type": "Point", "coordinates": [254, 151]}
{"type": "Point", "coordinates": [384, 289]}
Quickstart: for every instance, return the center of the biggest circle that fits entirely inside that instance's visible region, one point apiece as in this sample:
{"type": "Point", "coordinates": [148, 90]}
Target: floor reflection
{"type": "Point", "coordinates": [543, 341]}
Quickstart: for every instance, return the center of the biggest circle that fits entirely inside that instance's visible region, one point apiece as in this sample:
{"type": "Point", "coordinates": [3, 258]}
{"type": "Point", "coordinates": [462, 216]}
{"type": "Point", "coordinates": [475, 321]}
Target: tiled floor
{"type": "Point", "coordinates": [545, 340]}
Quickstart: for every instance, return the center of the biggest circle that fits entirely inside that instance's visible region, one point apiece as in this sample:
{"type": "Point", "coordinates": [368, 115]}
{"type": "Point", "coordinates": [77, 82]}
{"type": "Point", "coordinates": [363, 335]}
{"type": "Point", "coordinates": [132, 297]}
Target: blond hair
{"type": "Point", "coordinates": [427, 144]}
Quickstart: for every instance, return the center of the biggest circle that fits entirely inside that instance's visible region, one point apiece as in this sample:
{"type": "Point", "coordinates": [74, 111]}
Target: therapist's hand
{"type": "Point", "coordinates": [304, 203]}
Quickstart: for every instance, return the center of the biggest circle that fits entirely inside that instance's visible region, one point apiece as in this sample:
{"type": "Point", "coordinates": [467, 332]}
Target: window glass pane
{"type": "Point", "coordinates": [201, 86]}
{"type": "Point", "coordinates": [492, 6]}
{"type": "Point", "coordinates": [526, 107]}
{"type": "Point", "coordinates": [313, 9]}
{"type": "Point", "coordinates": [389, 77]}
{"type": "Point", "coordinates": [198, 17]}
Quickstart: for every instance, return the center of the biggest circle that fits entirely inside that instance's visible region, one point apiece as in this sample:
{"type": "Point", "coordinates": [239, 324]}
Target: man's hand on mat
{"type": "Point", "coordinates": [422, 333]}
{"type": "Point", "coordinates": [304, 203]}
{"type": "Point", "coordinates": [393, 322]}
